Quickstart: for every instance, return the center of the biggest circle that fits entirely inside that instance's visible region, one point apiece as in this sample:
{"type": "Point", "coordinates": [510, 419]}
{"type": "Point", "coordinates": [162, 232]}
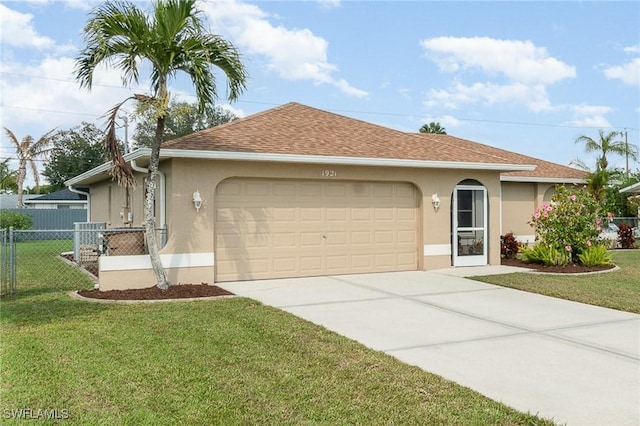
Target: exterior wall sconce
{"type": "Point", "coordinates": [197, 200]}
{"type": "Point", "coordinates": [435, 201]}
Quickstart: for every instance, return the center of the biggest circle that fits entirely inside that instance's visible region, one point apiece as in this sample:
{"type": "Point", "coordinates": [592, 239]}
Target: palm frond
{"type": "Point", "coordinates": [13, 137]}
{"type": "Point", "coordinates": [120, 169]}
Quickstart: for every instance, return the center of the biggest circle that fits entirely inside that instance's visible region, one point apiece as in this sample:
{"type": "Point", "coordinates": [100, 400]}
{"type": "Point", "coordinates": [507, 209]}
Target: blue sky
{"type": "Point", "coordinates": [524, 76]}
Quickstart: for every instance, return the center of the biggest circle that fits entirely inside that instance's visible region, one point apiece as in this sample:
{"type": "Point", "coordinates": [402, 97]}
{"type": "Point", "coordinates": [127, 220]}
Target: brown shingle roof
{"type": "Point", "coordinates": [544, 169]}
{"type": "Point", "coordinates": [301, 130]}
{"type": "Point", "coordinates": [298, 129]}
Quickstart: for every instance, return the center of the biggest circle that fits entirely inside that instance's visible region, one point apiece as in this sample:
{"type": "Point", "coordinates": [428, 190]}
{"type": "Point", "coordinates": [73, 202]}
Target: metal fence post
{"type": "Point", "coordinates": [12, 261]}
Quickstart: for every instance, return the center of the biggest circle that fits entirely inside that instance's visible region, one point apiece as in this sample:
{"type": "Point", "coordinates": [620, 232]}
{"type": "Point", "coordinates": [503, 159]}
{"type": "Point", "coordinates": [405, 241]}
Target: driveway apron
{"type": "Point", "coordinates": [574, 363]}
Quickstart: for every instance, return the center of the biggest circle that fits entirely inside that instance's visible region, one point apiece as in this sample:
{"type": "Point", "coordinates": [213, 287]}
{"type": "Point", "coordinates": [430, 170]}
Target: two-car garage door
{"type": "Point", "coordinates": [292, 228]}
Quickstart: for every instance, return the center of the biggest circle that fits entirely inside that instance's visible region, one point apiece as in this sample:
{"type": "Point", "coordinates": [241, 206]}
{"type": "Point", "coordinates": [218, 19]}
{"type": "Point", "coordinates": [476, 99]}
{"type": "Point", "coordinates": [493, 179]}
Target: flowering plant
{"type": "Point", "coordinates": [570, 223]}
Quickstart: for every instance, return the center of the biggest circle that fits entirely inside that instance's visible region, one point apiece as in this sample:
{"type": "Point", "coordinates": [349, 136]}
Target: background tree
{"type": "Point", "coordinates": [621, 205]}
{"type": "Point", "coordinates": [433, 127]}
{"type": "Point", "coordinates": [74, 152]}
{"type": "Point", "coordinates": [182, 119]}
{"type": "Point", "coordinates": [170, 40]}
{"type": "Point", "coordinates": [597, 180]}
{"type": "Point", "coordinates": [8, 183]}
{"type": "Point", "coordinates": [27, 152]}
{"type": "Point", "coordinates": [606, 145]}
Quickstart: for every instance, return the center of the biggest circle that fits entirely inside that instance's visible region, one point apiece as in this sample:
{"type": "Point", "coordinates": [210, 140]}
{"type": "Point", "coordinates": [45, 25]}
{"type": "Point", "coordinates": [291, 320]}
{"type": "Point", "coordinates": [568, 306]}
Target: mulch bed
{"type": "Point", "coordinates": [570, 268]}
{"type": "Point", "coordinates": [180, 291]}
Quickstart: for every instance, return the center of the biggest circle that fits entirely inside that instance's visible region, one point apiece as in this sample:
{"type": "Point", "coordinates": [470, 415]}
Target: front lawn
{"type": "Point", "coordinates": [617, 290]}
{"type": "Point", "coordinates": [225, 361]}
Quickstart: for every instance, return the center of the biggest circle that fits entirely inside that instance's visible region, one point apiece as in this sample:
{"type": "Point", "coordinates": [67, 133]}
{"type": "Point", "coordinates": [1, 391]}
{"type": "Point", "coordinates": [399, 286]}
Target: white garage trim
{"type": "Point", "coordinates": [437, 249]}
{"type": "Point", "coordinates": [142, 262]}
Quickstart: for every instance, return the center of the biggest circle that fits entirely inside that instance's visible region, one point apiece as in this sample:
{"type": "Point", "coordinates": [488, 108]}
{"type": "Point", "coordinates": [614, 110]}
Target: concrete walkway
{"type": "Point", "coordinates": [574, 363]}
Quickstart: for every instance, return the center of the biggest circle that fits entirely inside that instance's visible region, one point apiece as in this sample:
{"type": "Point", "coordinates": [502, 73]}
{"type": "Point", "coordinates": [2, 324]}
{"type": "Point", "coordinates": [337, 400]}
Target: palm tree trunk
{"type": "Point", "coordinates": [22, 174]}
{"type": "Point", "coordinates": [162, 281]}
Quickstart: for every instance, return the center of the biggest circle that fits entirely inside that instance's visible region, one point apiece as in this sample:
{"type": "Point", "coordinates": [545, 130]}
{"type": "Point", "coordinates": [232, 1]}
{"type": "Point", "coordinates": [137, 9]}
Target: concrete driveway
{"type": "Point", "coordinates": [574, 363]}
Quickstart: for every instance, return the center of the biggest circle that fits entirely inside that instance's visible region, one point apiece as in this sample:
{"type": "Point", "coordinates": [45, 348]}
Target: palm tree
{"type": "Point", "coordinates": [27, 152]}
{"type": "Point", "coordinates": [172, 38]}
{"type": "Point", "coordinates": [8, 182]}
{"type": "Point", "coordinates": [433, 127]}
{"type": "Point", "coordinates": [606, 145]}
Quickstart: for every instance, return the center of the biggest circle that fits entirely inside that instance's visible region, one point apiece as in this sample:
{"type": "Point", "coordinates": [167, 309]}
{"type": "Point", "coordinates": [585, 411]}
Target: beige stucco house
{"type": "Point", "coordinates": [296, 191]}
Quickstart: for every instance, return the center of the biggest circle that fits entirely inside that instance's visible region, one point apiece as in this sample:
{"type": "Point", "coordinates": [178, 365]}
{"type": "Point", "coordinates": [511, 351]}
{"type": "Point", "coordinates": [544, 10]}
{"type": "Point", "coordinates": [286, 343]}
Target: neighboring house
{"type": "Point", "coordinates": [631, 190]}
{"type": "Point", "coordinates": [296, 191]}
{"type": "Point", "coordinates": [63, 199]}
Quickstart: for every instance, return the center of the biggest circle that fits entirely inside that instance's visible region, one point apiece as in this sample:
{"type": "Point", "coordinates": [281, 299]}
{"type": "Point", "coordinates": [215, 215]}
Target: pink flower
{"type": "Point", "coordinates": [536, 215]}
{"type": "Point", "coordinates": [573, 198]}
{"type": "Point", "coordinates": [545, 214]}
{"type": "Point", "coordinates": [548, 208]}
{"type": "Point", "coordinates": [567, 248]}
{"type": "Point", "coordinates": [598, 228]}
{"type": "Point", "coordinates": [588, 243]}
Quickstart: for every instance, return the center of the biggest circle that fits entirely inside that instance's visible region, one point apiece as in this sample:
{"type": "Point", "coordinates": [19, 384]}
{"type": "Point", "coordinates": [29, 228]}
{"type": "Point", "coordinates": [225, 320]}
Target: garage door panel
{"type": "Point", "coordinates": [272, 228]}
{"type": "Point", "coordinates": [337, 214]}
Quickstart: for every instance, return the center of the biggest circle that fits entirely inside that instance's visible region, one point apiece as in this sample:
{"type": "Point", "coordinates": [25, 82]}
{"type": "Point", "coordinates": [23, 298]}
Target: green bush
{"type": "Point", "coordinates": [17, 220]}
{"type": "Point", "coordinates": [571, 222]}
{"type": "Point", "coordinates": [595, 255]}
{"type": "Point", "coordinates": [545, 254]}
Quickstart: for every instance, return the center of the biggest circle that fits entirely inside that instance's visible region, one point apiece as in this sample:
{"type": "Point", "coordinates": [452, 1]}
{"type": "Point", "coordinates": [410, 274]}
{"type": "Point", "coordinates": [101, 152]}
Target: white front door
{"type": "Point", "coordinates": [469, 225]}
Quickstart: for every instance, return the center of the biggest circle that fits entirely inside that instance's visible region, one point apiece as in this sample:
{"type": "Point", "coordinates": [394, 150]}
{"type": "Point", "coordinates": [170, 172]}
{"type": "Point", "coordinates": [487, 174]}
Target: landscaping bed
{"type": "Point", "coordinates": [180, 291]}
{"type": "Point", "coordinates": [570, 268]}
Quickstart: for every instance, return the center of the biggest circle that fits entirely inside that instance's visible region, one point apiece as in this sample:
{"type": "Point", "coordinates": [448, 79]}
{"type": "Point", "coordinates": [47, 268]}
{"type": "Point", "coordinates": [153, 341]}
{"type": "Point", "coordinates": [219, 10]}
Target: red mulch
{"type": "Point", "coordinates": [180, 291]}
{"type": "Point", "coordinates": [570, 268]}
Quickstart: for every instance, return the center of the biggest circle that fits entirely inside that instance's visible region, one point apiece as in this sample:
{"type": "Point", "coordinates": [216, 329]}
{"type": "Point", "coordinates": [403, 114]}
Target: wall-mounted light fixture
{"type": "Point", "coordinates": [197, 200]}
{"type": "Point", "coordinates": [435, 201]}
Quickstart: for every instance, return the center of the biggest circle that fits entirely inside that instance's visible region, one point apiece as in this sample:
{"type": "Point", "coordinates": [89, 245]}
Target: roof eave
{"type": "Point", "coordinates": [339, 160]}
{"type": "Point", "coordinates": [90, 175]}
{"type": "Point", "coordinates": [635, 188]}
{"type": "Point", "coordinates": [535, 179]}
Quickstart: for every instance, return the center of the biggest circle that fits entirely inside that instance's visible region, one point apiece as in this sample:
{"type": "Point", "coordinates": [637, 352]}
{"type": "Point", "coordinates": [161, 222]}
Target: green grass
{"type": "Point", "coordinates": [225, 361]}
{"type": "Point", "coordinates": [617, 290]}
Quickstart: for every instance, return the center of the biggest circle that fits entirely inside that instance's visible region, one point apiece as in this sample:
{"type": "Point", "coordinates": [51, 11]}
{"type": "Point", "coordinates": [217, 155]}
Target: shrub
{"type": "Point", "coordinates": [509, 246]}
{"type": "Point", "coordinates": [595, 255]}
{"type": "Point", "coordinates": [570, 223]}
{"type": "Point", "coordinates": [17, 220]}
{"type": "Point", "coordinates": [626, 239]}
{"type": "Point", "coordinates": [546, 254]}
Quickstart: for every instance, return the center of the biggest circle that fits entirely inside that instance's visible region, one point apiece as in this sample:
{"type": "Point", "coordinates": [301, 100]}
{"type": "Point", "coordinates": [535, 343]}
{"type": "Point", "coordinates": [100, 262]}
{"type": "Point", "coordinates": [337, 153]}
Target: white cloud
{"type": "Point", "coordinates": [632, 49]}
{"type": "Point", "coordinates": [629, 73]}
{"type": "Point", "coordinates": [534, 97]}
{"type": "Point", "coordinates": [293, 54]}
{"type": "Point", "coordinates": [589, 116]}
{"type": "Point", "coordinates": [329, 4]}
{"type": "Point", "coordinates": [527, 68]}
{"type": "Point", "coordinates": [16, 29]}
{"type": "Point", "coordinates": [519, 61]}
{"type": "Point", "coordinates": [57, 100]}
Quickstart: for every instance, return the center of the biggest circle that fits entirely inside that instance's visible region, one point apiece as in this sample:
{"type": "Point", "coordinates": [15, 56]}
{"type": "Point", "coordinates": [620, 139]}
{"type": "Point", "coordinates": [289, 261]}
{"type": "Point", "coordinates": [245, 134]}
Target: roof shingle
{"type": "Point", "coordinates": [302, 130]}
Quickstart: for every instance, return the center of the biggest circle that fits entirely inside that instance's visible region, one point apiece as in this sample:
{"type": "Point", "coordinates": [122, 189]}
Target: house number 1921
{"type": "Point", "coordinates": [329, 173]}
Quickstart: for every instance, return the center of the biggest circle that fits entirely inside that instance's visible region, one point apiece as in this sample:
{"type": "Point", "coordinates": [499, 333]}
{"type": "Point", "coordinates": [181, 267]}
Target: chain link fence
{"type": "Point", "coordinates": [44, 260]}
